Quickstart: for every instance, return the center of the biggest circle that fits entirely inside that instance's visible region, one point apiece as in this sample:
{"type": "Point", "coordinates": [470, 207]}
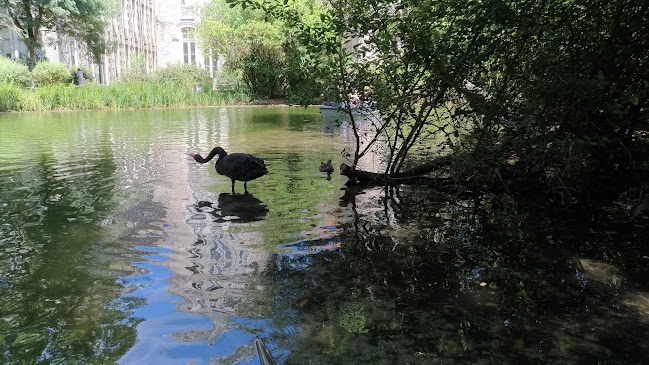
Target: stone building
{"type": "Point", "coordinates": [11, 45]}
{"type": "Point", "coordinates": [148, 34]}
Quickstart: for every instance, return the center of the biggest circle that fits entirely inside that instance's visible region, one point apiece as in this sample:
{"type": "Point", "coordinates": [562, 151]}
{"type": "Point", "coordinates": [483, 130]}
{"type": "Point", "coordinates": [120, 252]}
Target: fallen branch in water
{"type": "Point", "coordinates": [415, 175]}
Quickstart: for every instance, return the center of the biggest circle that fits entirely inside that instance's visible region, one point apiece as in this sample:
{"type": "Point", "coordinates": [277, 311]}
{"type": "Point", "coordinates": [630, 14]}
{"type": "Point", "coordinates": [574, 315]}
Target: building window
{"type": "Point", "coordinates": [189, 46]}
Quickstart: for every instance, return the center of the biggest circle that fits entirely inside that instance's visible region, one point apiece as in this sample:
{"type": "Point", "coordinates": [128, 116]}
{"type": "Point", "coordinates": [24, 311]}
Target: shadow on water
{"type": "Point", "coordinates": [234, 208]}
{"type": "Point", "coordinates": [418, 278]}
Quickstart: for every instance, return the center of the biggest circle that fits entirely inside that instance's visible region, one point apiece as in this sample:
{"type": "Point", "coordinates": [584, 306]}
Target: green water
{"type": "Point", "coordinates": [117, 247]}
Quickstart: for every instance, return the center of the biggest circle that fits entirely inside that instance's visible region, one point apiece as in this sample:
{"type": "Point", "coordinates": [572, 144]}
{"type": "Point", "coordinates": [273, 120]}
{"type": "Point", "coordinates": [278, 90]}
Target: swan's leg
{"type": "Point", "coordinates": [245, 187]}
{"type": "Point", "coordinates": [232, 186]}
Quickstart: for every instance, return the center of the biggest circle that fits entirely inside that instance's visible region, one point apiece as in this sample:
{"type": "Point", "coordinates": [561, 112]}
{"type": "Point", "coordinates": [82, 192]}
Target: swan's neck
{"type": "Point", "coordinates": [216, 150]}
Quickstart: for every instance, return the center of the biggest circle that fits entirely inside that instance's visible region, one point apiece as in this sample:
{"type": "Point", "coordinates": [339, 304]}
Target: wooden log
{"type": "Point", "coordinates": [414, 175]}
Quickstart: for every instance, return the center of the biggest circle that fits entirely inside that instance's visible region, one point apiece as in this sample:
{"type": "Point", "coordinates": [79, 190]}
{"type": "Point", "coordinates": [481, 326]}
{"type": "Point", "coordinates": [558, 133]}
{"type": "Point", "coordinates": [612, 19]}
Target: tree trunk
{"type": "Point", "coordinates": [31, 41]}
{"type": "Point", "coordinates": [31, 55]}
{"type": "Point", "coordinates": [414, 175]}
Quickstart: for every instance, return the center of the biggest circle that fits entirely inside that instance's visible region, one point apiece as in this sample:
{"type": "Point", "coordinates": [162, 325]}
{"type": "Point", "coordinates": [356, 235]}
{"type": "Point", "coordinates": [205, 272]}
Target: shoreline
{"type": "Point", "coordinates": [252, 104]}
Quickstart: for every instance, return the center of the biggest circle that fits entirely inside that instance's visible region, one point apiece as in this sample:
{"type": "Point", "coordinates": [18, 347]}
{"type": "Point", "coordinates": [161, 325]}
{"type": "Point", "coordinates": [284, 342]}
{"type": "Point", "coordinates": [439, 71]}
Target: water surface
{"type": "Point", "coordinates": [117, 247]}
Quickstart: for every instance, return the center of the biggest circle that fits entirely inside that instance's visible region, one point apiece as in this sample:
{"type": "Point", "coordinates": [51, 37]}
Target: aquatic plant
{"type": "Point", "coordinates": [125, 95]}
{"type": "Point", "coordinates": [10, 96]}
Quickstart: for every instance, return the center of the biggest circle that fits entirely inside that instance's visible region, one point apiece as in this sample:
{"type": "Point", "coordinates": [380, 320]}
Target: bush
{"type": "Point", "coordinates": [228, 78]}
{"type": "Point", "coordinates": [131, 76]}
{"type": "Point", "coordinates": [183, 75]}
{"type": "Point", "coordinates": [137, 72]}
{"type": "Point", "coordinates": [303, 86]}
{"type": "Point", "coordinates": [14, 72]}
{"type": "Point", "coordinates": [50, 73]}
{"type": "Point", "coordinates": [263, 71]}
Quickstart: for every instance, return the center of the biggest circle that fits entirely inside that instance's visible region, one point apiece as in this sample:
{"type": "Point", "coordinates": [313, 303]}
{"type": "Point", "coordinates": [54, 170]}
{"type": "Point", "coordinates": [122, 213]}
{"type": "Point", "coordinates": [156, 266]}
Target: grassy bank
{"type": "Point", "coordinates": [144, 94]}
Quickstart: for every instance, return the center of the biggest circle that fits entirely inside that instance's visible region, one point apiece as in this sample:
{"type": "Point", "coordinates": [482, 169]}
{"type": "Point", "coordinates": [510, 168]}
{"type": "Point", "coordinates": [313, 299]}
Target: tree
{"type": "Point", "coordinates": [247, 42]}
{"type": "Point", "coordinates": [81, 19]}
{"type": "Point", "coordinates": [259, 45]}
{"type": "Point", "coordinates": [515, 92]}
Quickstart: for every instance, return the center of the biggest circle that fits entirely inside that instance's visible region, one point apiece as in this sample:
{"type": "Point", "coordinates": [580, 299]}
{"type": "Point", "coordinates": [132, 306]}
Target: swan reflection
{"type": "Point", "coordinates": [234, 208]}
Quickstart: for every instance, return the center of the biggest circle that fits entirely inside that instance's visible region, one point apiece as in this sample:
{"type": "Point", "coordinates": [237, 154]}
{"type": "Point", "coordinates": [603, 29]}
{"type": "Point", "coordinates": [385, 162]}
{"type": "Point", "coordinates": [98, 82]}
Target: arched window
{"type": "Point", "coordinates": [189, 46]}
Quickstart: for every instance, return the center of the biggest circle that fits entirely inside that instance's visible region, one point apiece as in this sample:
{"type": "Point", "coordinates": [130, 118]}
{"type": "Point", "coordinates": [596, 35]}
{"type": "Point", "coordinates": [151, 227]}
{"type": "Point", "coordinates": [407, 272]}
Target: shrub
{"type": "Point", "coordinates": [14, 72]}
{"type": "Point", "coordinates": [50, 73]}
{"type": "Point", "coordinates": [303, 86]}
{"type": "Point", "coordinates": [228, 78]}
{"type": "Point", "coordinates": [263, 71]}
{"type": "Point", "coordinates": [137, 72]}
{"type": "Point", "coordinates": [135, 77]}
{"type": "Point", "coordinates": [183, 75]}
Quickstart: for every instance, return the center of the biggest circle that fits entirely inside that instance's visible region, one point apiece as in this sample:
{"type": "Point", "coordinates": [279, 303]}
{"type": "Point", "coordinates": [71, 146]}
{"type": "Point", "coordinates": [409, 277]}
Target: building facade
{"type": "Point", "coordinates": [148, 35]}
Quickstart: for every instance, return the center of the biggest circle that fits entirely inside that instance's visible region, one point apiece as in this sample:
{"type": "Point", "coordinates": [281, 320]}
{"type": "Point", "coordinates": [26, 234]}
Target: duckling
{"type": "Point", "coordinates": [326, 167]}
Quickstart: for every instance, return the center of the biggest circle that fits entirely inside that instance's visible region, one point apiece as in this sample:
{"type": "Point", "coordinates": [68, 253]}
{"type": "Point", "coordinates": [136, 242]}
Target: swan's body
{"type": "Point", "coordinates": [237, 166]}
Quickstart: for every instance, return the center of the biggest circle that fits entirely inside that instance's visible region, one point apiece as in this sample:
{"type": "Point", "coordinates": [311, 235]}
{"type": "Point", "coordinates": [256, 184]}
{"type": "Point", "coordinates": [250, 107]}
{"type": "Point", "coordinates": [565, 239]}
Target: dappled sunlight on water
{"type": "Point", "coordinates": [118, 247]}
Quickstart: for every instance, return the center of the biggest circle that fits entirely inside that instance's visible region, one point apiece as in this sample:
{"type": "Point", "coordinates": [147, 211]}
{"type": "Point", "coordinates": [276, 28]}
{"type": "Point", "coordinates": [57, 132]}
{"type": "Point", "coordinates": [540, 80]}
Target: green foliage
{"type": "Point", "coordinates": [138, 64]}
{"type": "Point", "coordinates": [10, 97]}
{"type": "Point", "coordinates": [179, 75]}
{"type": "Point", "coordinates": [248, 43]}
{"type": "Point", "coordinates": [263, 73]}
{"type": "Point", "coordinates": [556, 88]}
{"type": "Point", "coordinates": [183, 75]}
{"type": "Point", "coordinates": [228, 79]}
{"type": "Point", "coordinates": [303, 82]}
{"type": "Point", "coordinates": [137, 71]}
{"type": "Point", "coordinates": [170, 87]}
{"type": "Point", "coordinates": [14, 72]}
{"type": "Point", "coordinates": [354, 322]}
{"type": "Point", "coordinates": [116, 96]}
{"type": "Point", "coordinates": [561, 98]}
{"type": "Point", "coordinates": [49, 73]}
{"type": "Point", "coordinates": [262, 47]}
{"type": "Point", "coordinates": [81, 19]}
{"type": "Point", "coordinates": [234, 32]}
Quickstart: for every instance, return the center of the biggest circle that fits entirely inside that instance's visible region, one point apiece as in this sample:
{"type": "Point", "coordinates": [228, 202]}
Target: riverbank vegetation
{"type": "Point", "coordinates": [272, 62]}
{"type": "Point", "coordinates": [546, 96]}
{"type": "Point", "coordinates": [262, 57]}
{"type": "Point", "coordinates": [174, 86]}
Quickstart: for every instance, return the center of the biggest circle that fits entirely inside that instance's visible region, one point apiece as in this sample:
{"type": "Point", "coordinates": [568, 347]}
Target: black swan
{"type": "Point", "coordinates": [236, 166]}
{"type": "Point", "coordinates": [326, 167]}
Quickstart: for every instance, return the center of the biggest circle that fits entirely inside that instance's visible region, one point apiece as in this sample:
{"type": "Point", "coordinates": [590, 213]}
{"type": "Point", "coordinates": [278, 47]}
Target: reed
{"type": "Point", "coordinates": [123, 95]}
{"type": "Point", "coordinates": [10, 97]}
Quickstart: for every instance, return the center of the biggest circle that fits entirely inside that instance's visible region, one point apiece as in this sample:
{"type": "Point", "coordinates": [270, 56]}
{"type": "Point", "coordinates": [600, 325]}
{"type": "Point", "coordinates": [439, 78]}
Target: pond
{"type": "Point", "coordinates": [117, 247]}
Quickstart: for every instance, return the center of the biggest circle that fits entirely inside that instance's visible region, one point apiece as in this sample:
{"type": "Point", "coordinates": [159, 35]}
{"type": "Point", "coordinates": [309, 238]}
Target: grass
{"type": "Point", "coordinates": [127, 95]}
